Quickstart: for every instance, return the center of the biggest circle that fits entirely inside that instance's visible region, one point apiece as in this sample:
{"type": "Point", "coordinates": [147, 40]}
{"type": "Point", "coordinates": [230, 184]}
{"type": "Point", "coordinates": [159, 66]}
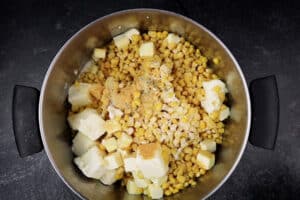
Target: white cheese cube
{"type": "Point", "coordinates": [114, 112]}
{"type": "Point", "coordinates": [112, 126]}
{"type": "Point", "coordinates": [212, 101]}
{"type": "Point", "coordinates": [132, 188]}
{"type": "Point", "coordinates": [172, 38]}
{"type": "Point", "coordinates": [206, 159]}
{"type": "Point", "coordinates": [91, 163]}
{"type": "Point", "coordinates": [155, 191]}
{"type": "Point", "coordinates": [130, 164]}
{"type": "Point", "coordinates": [110, 144]}
{"type": "Point", "coordinates": [99, 53]}
{"type": "Point", "coordinates": [150, 161]}
{"type": "Point", "coordinates": [81, 144]}
{"type": "Point", "coordinates": [113, 161]}
{"type": "Point", "coordinates": [224, 113]}
{"type": "Point", "coordinates": [131, 32]}
{"type": "Point", "coordinates": [147, 49]}
{"type": "Point", "coordinates": [79, 94]}
{"type": "Point", "coordinates": [88, 122]}
{"type": "Point", "coordinates": [208, 145]}
{"type": "Point", "coordinates": [124, 141]}
{"type": "Point", "coordinates": [109, 177]}
{"type": "Point", "coordinates": [121, 41]}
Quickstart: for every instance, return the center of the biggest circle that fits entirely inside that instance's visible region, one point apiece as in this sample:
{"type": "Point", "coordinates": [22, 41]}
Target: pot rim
{"type": "Point", "coordinates": [41, 99]}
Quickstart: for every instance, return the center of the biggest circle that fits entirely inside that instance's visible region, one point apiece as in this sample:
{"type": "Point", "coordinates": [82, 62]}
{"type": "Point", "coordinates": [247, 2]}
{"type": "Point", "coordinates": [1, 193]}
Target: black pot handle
{"type": "Point", "coordinates": [265, 112]}
{"type": "Point", "coordinates": [25, 120]}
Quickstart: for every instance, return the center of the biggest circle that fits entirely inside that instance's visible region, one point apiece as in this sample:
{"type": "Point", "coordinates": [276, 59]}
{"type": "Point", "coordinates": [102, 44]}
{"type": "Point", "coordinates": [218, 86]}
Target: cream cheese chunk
{"type": "Point", "coordinates": [109, 177]}
{"type": "Point", "coordinates": [113, 161]}
{"type": "Point", "coordinates": [81, 144]}
{"type": "Point", "coordinates": [150, 161]}
{"type": "Point", "coordinates": [79, 94]}
{"type": "Point", "coordinates": [92, 163]}
{"type": "Point", "coordinates": [88, 122]}
{"type": "Point", "coordinates": [212, 101]}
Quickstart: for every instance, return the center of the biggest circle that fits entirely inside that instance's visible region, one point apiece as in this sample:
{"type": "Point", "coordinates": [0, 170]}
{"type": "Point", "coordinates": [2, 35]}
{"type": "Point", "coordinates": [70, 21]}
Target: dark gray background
{"type": "Point", "coordinates": [264, 37]}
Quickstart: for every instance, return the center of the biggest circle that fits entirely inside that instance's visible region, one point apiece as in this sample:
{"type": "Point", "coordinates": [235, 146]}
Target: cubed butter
{"type": "Point", "coordinates": [139, 180]}
{"type": "Point", "coordinates": [110, 144]}
{"type": "Point", "coordinates": [132, 188]}
{"type": "Point", "coordinates": [147, 49]}
{"type": "Point", "coordinates": [92, 163]}
{"type": "Point", "coordinates": [121, 41]}
{"type": "Point", "coordinates": [150, 161]}
{"type": "Point", "coordinates": [208, 145]}
{"type": "Point", "coordinates": [112, 126]}
{"type": "Point", "coordinates": [109, 177]}
{"type": "Point", "coordinates": [88, 122]}
{"type": "Point", "coordinates": [124, 141]}
{"type": "Point", "coordinates": [81, 144]}
{"type": "Point", "coordinates": [206, 159]}
{"type": "Point", "coordinates": [224, 113]}
{"type": "Point", "coordinates": [155, 191]}
{"type": "Point", "coordinates": [131, 32]}
{"type": "Point", "coordinates": [99, 53]}
{"type": "Point", "coordinates": [113, 161]}
{"type": "Point", "coordinates": [172, 38]}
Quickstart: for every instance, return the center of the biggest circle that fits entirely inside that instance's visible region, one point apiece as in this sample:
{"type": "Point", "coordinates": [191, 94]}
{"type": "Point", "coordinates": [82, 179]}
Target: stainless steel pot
{"type": "Point", "coordinates": [70, 59]}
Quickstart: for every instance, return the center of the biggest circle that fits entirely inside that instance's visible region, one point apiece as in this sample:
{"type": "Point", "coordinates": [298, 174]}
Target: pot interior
{"type": "Point", "coordinates": [71, 58]}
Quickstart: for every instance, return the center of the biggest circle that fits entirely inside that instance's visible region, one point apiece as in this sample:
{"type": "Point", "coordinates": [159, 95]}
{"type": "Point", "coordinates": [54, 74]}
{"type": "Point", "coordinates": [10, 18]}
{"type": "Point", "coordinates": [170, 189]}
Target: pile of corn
{"type": "Point", "coordinates": [159, 90]}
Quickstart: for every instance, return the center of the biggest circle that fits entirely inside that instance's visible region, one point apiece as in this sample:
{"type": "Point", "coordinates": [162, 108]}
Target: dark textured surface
{"type": "Point", "coordinates": [263, 37]}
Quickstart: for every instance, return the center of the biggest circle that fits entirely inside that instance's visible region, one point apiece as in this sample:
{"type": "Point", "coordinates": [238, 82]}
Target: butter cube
{"type": "Point", "coordinates": [206, 159]}
{"type": "Point", "coordinates": [224, 113]}
{"type": "Point", "coordinates": [88, 122]}
{"type": "Point", "coordinates": [124, 141]}
{"type": "Point", "coordinates": [109, 177]}
{"type": "Point", "coordinates": [150, 160]}
{"type": "Point", "coordinates": [155, 191]}
{"type": "Point", "coordinates": [147, 49]}
{"type": "Point", "coordinates": [81, 144]}
{"type": "Point", "coordinates": [172, 38]}
{"type": "Point", "coordinates": [110, 144]}
{"type": "Point", "coordinates": [132, 188]}
{"type": "Point", "coordinates": [121, 41]}
{"type": "Point", "coordinates": [208, 145]}
{"type": "Point", "coordinates": [114, 112]}
{"type": "Point", "coordinates": [130, 164]}
{"type": "Point", "coordinates": [139, 180]}
{"type": "Point", "coordinates": [92, 163]}
{"type": "Point", "coordinates": [160, 180]}
{"type": "Point", "coordinates": [113, 161]}
{"type": "Point", "coordinates": [131, 32]}
{"type": "Point", "coordinates": [112, 126]}
{"type": "Point", "coordinates": [99, 53]}
{"type": "Point", "coordinates": [79, 94]}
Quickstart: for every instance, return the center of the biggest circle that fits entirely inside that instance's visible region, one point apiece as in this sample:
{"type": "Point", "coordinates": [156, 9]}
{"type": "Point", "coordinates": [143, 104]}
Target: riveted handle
{"type": "Point", "coordinates": [25, 120]}
{"type": "Point", "coordinates": [265, 112]}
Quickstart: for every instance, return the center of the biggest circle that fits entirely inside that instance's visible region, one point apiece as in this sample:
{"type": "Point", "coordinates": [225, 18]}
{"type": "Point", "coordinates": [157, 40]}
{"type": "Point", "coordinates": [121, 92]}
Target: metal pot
{"type": "Point", "coordinates": [52, 111]}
